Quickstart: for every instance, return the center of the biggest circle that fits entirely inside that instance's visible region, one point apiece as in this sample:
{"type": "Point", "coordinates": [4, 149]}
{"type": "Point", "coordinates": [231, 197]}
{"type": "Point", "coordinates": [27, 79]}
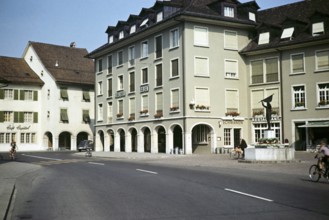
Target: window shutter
{"type": "Point", "coordinates": [2, 94]}
{"type": "Point", "coordinates": [232, 99]}
{"type": "Point", "coordinates": [256, 97]}
{"type": "Point", "coordinates": [201, 66]}
{"type": "Point", "coordinates": [174, 68]}
{"type": "Point", "coordinates": [64, 94]}
{"type": "Point", "coordinates": [201, 36]}
{"type": "Point", "coordinates": [85, 116]}
{"type": "Point", "coordinates": [35, 95]}
{"type": "Point", "coordinates": [15, 94]}
{"type": "Point", "coordinates": [175, 98]}
{"type": "Point", "coordinates": [16, 117]}
{"type": "Point", "coordinates": [202, 96]}
{"type": "Point", "coordinates": [145, 103]}
{"type": "Point", "coordinates": [323, 59]}
{"type": "Point", "coordinates": [132, 106]}
{"type": "Point", "coordinates": [2, 116]}
{"type": "Point", "coordinates": [21, 94]}
{"type": "Point", "coordinates": [35, 117]}
{"type": "Point", "coordinates": [297, 64]}
{"type": "Point", "coordinates": [21, 117]}
{"type": "Point", "coordinates": [64, 116]}
{"type": "Point", "coordinates": [159, 104]}
{"type": "Point", "coordinates": [231, 41]}
{"type": "Point", "coordinates": [86, 96]}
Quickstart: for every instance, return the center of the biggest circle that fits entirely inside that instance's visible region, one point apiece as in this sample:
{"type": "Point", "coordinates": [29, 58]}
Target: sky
{"type": "Point", "coordinates": [61, 22]}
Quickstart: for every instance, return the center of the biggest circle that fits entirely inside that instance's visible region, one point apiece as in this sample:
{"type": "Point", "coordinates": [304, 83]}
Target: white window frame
{"type": "Point", "coordinates": [110, 112]}
{"type": "Point", "coordinates": [317, 60]}
{"type": "Point", "coordinates": [205, 102]}
{"type": "Point", "coordinates": [229, 11]}
{"type": "Point", "coordinates": [142, 76]}
{"type": "Point", "coordinates": [121, 35]}
{"type": "Point", "coordinates": [228, 46]}
{"type": "Point", "coordinates": [206, 59]}
{"type": "Point", "coordinates": [173, 105]}
{"type": "Point", "coordinates": [28, 95]}
{"type": "Point", "coordinates": [132, 29]}
{"type": "Point", "coordinates": [100, 112]}
{"type": "Point", "coordinates": [292, 63]}
{"type": "Point", "coordinates": [120, 82]}
{"type": "Point", "coordinates": [325, 93]}
{"type": "Point", "coordinates": [144, 49]}
{"type": "Point", "coordinates": [252, 16]}
{"type": "Point", "coordinates": [28, 117]}
{"type": "Point", "coordinates": [120, 55]}
{"type": "Point", "coordinates": [298, 95]}
{"type": "Point", "coordinates": [201, 38]}
{"type": "Point", "coordinates": [111, 39]}
{"type": "Point", "coordinates": [264, 38]}
{"type": "Point", "coordinates": [228, 100]}
{"type": "Point", "coordinates": [159, 16]}
{"type": "Point", "coordinates": [100, 88]}
{"type": "Point", "coordinates": [171, 67]}
{"type": "Point", "coordinates": [9, 94]}
{"type": "Point", "coordinates": [174, 38]}
{"type": "Point", "coordinates": [287, 33]}
{"type": "Point", "coordinates": [145, 103]}
{"type": "Point", "coordinates": [131, 56]}
{"type": "Point", "coordinates": [155, 46]}
{"type": "Point", "coordinates": [156, 75]}
{"type": "Point", "coordinates": [317, 28]}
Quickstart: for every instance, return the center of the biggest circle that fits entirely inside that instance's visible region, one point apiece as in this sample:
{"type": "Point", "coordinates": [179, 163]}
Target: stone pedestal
{"type": "Point", "coordinates": [269, 134]}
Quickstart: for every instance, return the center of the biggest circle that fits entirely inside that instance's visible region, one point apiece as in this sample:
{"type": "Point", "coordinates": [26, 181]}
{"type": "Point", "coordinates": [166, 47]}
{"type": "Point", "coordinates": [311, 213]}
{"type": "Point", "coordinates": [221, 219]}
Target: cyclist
{"type": "Point", "coordinates": [325, 150]}
{"type": "Point", "coordinates": [12, 150]}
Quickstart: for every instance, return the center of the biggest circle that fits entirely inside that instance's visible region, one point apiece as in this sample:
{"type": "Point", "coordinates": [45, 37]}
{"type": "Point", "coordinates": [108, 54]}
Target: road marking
{"type": "Point", "coordinates": [101, 164]}
{"type": "Point", "coordinates": [46, 158]}
{"type": "Point", "coordinates": [246, 194]}
{"type": "Point", "coordinates": [147, 171]}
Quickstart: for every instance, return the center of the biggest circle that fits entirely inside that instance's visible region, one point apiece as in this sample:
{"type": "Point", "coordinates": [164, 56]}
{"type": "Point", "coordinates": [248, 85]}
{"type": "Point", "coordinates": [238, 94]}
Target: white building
{"type": "Point", "coordinates": [63, 114]}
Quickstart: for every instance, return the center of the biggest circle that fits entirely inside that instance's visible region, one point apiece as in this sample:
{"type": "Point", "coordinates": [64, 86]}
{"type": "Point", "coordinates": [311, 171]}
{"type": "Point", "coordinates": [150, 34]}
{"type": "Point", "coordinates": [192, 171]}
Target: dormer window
{"type": "Point", "coordinates": [132, 29]}
{"type": "Point", "coordinates": [111, 39]}
{"type": "Point", "coordinates": [144, 23]}
{"type": "Point", "coordinates": [229, 11]}
{"type": "Point", "coordinates": [264, 38]}
{"type": "Point", "coordinates": [287, 33]}
{"type": "Point", "coordinates": [121, 34]}
{"type": "Point", "coordinates": [159, 16]}
{"type": "Point", "coordinates": [252, 16]}
{"type": "Point", "coordinates": [317, 29]}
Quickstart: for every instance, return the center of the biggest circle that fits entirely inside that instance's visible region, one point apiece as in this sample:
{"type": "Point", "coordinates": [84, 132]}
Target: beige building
{"type": "Point", "coordinates": [189, 76]}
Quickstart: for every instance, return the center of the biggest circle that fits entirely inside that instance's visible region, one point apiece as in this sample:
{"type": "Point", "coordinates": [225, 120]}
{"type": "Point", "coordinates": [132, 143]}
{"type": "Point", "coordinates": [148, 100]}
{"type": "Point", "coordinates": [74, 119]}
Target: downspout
{"type": "Point", "coordinates": [281, 97]}
{"type": "Point", "coordinates": [184, 87]}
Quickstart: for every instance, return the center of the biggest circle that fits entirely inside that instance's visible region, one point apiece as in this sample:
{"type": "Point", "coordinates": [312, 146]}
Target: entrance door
{"type": "Point", "coordinates": [237, 136]}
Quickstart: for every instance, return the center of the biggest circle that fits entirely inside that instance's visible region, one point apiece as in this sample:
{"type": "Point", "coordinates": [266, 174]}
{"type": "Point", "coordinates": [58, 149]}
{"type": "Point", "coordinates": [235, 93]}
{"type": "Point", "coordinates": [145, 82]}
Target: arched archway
{"type": "Point", "coordinates": [100, 141]}
{"type": "Point", "coordinates": [64, 142]}
{"type": "Point", "coordinates": [201, 139]}
{"type": "Point", "coordinates": [82, 136]}
{"type": "Point", "coordinates": [122, 136]}
{"type": "Point", "coordinates": [133, 133]}
{"type": "Point", "coordinates": [147, 139]}
{"type": "Point", "coordinates": [110, 134]}
{"type": "Point", "coordinates": [161, 140]}
{"type": "Point", "coordinates": [48, 140]}
{"type": "Point", "coordinates": [178, 137]}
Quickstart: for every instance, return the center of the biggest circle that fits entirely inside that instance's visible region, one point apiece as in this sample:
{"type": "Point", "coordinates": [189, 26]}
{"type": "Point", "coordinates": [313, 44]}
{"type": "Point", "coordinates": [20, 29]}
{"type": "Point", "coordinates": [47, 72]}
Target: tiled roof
{"type": "Point", "coordinates": [67, 65]}
{"type": "Point", "coordinates": [16, 70]}
{"type": "Point", "coordinates": [298, 15]}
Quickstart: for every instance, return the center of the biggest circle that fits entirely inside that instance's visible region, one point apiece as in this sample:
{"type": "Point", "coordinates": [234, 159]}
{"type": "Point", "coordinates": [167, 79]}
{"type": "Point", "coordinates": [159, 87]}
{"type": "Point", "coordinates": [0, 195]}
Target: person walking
{"type": "Point", "coordinates": [243, 145]}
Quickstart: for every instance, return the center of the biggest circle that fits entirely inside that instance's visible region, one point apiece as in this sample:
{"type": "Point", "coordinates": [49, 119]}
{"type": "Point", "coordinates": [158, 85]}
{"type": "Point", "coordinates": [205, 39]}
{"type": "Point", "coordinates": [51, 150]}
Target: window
{"type": "Point", "coordinates": [109, 112]}
{"type": "Point", "coordinates": [252, 16]}
{"type": "Point", "coordinates": [120, 58]}
{"type": "Point", "coordinates": [232, 101]}
{"type": "Point", "coordinates": [260, 128]}
{"type": "Point", "coordinates": [158, 47]}
{"type": "Point", "coordinates": [230, 40]}
{"type": "Point", "coordinates": [323, 94]}
{"type": "Point", "coordinates": [174, 100]}
{"type": "Point", "coordinates": [109, 64]}
{"type": "Point", "coordinates": [100, 112]}
{"type": "Point", "coordinates": [174, 38]}
{"type": "Point", "coordinates": [100, 88]}
{"type": "Point", "coordinates": [298, 97]}
{"type": "Point", "coordinates": [28, 95]}
{"type": "Point", "coordinates": [287, 33]}
{"type": "Point", "coordinates": [100, 65]}
{"type": "Point", "coordinates": [121, 34]}
{"type": "Point", "coordinates": [159, 16]}
{"type": "Point", "coordinates": [317, 29]}
{"type": "Point", "coordinates": [85, 116]}
{"type": "Point", "coordinates": [64, 117]}
{"type": "Point", "coordinates": [85, 96]}
{"type": "Point", "coordinates": [201, 66]}
{"type": "Point", "coordinates": [120, 82]}
{"type": "Point", "coordinates": [131, 56]}
{"type": "Point", "coordinates": [272, 71]}
{"type": "Point", "coordinates": [201, 136]}
{"type": "Point", "coordinates": [144, 49]}
{"type": "Point", "coordinates": [28, 117]}
{"type": "Point", "coordinates": [200, 36]}
{"type": "Point", "coordinates": [110, 39]}
{"type": "Point", "coordinates": [144, 23]}
{"type": "Point", "coordinates": [144, 76]}
{"type": "Point", "coordinates": [297, 63]}
{"type": "Point", "coordinates": [9, 94]}
{"type": "Point", "coordinates": [264, 71]}
{"type": "Point", "coordinates": [132, 82]}
{"type": "Point", "coordinates": [229, 12]}
{"type": "Point", "coordinates": [322, 60]}
{"type": "Point", "coordinates": [109, 88]}
{"type": "Point", "coordinates": [120, 109]}
{"type": "Point", "coordinates": [132, 108]}
{"type": "Point", "coordinates": [227, 137]}
{"type": "Point", "coordinates": [145, 104]}
{"type": "Point", "coordinates": [231, 68]}
{"type": "Point", "coordinates": [202, 100]}
{"type": "Point", "coordinates": [8, 116]}
{"type": "Point", "coordinates": [64, 95]}
{"type": "Point", "coordinates": [158, 75]}
{"type": "Point", "coordinates": [264, 38]}
{"type": "Point", "coordinates": [132, 29]}
{"type": "Point", "coordinates": [159, 104]}
{"type": "Point", "coordinates": [174, 68]}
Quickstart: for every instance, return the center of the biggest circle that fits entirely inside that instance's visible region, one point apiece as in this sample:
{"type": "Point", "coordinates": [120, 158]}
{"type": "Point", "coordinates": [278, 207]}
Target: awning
{"type": "Point", "coordinates": [315, 124]}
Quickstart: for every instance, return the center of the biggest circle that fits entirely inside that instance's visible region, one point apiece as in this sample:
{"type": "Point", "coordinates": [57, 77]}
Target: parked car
{"type": "Point", "coordinates": [83, 145]}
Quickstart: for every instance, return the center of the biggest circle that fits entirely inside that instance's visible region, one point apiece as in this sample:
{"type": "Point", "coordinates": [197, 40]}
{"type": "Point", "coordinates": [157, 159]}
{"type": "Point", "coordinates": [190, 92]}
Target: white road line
{"type": "Point", "coordinates": [147, 171]}
{"type": "Point", "coordinates": [46, 158]}
{"type": "Point", "coordinates": [246, 194]}
{"type": "Point", "coordinates": [101, 164]}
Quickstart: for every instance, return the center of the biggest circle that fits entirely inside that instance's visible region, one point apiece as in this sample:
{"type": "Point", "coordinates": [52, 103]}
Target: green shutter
{"type": "Point", "coordinates": [64, 94]}
{"type": "Point", "coordinates": [21, 117]}
{"type": "Point", "coordinates": [2, 116]}
{"type": "Point", "coordinates": [15, 94]}
{"type": "Point", "coordinates": [35, 95]}
{"type": "Point", "coordinates": [16, 117]}
{"type": "Point", "coordinates": [35, 117]}
{"type": "Point", "coordinates": [86, 96]}
{"type": "Point", "coordinates": [21, 95]}
{"type": "Point", "coordinates": [2, 94]}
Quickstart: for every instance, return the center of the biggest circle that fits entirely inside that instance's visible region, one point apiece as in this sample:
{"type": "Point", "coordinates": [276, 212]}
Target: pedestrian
{"type": "Point", "coordinates": [12, 150]}
{"type": "Point", "coordinates": [243, 145]}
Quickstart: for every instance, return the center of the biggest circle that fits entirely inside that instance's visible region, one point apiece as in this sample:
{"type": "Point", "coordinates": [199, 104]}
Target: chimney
{"type": "Point", "coordinates": [72, 44]}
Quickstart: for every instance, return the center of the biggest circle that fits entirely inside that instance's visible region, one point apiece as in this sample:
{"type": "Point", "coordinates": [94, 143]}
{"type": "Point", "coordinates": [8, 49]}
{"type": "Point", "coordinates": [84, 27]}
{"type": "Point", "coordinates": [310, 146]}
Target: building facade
{"type": "Point", "coordinates": [189, 76]}
{"type": "Point", "coordinates": [59, 111]}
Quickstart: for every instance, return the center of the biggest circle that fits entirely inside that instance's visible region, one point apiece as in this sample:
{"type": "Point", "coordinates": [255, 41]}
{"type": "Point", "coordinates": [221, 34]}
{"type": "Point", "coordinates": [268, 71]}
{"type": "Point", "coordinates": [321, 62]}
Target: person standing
{"type": "Point", "coordinates": [12, 150]}
{"type": "Point", "coordinates": [243, 146]}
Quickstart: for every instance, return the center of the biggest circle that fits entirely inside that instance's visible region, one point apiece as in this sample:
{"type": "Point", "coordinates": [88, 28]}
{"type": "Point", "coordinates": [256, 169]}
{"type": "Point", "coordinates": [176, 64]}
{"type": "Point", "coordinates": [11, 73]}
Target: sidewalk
{"type": "Point", "coordinates": [213, 161]}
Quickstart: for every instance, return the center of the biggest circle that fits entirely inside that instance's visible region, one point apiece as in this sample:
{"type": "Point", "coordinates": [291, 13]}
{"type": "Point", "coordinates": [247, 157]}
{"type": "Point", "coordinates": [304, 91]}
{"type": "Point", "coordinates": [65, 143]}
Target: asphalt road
{"type": "Point", "coordinates": [67, 187]}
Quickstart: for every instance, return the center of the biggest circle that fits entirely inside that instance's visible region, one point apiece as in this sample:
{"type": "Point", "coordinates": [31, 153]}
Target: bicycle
{"type": "Point", "coordinates": [12, 154]}
{"type": "Point", "coordinates": [315, 172]}
{"type": "Point", "coordinates": [236, 153]}
{"type": "Point", "coordinates": [88, 152]}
